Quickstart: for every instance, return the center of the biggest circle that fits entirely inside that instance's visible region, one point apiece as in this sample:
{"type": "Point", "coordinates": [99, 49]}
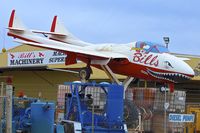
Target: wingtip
{"type": "Point", "coordinates": [53, 25]}
{"type": "Point", "coordinates": [11, 18]}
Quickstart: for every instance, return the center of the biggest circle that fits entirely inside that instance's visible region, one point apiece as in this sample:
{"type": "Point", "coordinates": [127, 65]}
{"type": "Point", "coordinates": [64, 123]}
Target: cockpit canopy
{"type": "Point", "coordinates": [151, 47]}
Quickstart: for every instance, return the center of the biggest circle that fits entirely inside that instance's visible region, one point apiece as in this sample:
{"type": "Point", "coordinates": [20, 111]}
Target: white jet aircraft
{"type": "Point", "coordinates": [140, 59]}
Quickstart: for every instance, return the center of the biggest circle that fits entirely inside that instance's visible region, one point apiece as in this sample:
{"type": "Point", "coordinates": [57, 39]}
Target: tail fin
{"type": "Point", "coordinates": [63, 35]}
{"type": "Point", "coordinates": [16, 28]}
{"type": "Point", "coordinates": [15, 23]}
{"type": "Point", "coordinates": [59, 28]}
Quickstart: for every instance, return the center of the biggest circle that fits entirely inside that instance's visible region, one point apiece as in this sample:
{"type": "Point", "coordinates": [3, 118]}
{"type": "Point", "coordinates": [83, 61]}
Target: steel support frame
{"type": "Point", "coordinates": [114, 79]}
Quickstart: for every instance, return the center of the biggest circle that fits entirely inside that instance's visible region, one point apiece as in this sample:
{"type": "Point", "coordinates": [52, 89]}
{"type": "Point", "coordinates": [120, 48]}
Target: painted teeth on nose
{"type": "Point", "coordinates": [187, 77]}
{"type": "Point", "coordinates": [167, 76]}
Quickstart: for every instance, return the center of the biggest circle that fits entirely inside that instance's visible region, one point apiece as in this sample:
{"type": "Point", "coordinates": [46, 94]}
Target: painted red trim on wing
{"type": "Point", "coordinates": [11, 18]}
{"type": "Point", "coordinates": [53, 26]}
{"type": "Point", "coordinates": [20, 37]}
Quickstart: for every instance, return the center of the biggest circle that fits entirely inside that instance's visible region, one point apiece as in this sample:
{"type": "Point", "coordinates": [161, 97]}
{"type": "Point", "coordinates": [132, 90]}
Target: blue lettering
{"type": "Point", "coordinates": [175, 118]}
{"type": "Point", "coordinates": [188, 118]}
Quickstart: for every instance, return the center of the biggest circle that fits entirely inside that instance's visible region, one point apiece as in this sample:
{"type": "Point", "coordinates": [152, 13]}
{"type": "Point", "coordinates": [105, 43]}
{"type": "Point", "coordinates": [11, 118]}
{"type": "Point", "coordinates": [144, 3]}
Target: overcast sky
{"type": "Point", "coordinates": [114, 21]}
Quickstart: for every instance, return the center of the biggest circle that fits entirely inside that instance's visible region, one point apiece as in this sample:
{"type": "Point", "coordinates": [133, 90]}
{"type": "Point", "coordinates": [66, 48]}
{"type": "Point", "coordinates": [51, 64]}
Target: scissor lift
{"type": "Point", "coordinates": [92, 107]}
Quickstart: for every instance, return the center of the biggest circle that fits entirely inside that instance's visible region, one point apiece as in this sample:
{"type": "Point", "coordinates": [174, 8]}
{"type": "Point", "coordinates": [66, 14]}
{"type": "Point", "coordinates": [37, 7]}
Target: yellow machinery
{"type": "Point", "coordinates": [193, 127]}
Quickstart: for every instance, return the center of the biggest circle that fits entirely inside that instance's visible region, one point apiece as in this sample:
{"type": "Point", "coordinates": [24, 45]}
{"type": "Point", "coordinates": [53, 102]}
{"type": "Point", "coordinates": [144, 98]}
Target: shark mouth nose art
{"type": "Point", "coordinates": [172, 77]}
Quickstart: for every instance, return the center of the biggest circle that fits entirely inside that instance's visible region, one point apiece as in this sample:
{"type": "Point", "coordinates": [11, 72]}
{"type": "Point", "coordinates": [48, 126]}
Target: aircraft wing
{"type": "Point", "coordinates": [91, 54]}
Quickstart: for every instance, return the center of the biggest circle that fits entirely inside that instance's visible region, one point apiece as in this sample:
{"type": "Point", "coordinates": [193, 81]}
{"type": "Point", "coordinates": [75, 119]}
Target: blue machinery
{"type": "Point", "coordinates": [30, 116]}
{"type": "Point", "coordinates": [80, 107]}
{"type": "Point", "coordinates": [82, 112]}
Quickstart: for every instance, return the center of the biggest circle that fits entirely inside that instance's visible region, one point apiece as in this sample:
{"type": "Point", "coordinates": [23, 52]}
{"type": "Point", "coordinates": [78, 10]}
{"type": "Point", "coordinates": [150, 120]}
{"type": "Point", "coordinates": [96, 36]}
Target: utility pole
{"type": "Point", "coordinates": [166, 105]}
{"type": "Point", "coordinates": [165, 113]}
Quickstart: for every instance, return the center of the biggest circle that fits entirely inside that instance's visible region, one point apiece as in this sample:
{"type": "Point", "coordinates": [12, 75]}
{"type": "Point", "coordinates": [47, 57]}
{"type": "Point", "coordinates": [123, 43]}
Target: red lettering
{"type": "Point", "coordinates": [142, 60]}
{"type": "Point", "coordinates": [137, 56]}
{"type": "Point", "coordinates": [154, 61]}
{"type": "Point", "coordinates": [146, 59]}
{"type": "Point", "coordinates": [27, 55]}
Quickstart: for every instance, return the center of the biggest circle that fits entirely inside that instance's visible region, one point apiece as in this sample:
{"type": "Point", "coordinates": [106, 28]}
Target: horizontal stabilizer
{"type": "Point", "coordinates": [49, 33]}
{"type": "Point", "coordinates": [16, 30]}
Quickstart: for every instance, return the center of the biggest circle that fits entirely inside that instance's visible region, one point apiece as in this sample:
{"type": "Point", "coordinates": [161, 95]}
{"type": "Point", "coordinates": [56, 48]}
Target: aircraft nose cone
{"type": "Point", "coordinates": [187, 74]}
{"type": "Point", "coordinates": [190, 72]}
{"type": "Point", "coordinates": [182, 70]}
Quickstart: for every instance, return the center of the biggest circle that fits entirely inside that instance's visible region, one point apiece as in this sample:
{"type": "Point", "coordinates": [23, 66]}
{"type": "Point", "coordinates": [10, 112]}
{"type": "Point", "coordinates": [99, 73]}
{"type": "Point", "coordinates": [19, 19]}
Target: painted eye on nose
{"type": "Point", "coordinates": [169, 64]}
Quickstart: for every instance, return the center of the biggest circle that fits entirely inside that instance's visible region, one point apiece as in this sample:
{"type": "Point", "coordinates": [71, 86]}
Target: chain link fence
{"type": "Point", "coordinates": [150, 103]}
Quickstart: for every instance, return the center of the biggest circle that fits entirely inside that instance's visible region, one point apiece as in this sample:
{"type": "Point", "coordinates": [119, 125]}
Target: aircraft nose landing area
{"type": "Point", "coordinates": [172, 77]}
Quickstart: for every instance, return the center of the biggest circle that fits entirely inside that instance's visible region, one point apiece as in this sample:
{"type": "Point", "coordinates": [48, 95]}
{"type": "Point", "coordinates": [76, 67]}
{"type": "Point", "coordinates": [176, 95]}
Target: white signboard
{"type": "Point", "coordinates": [181, 117]}
{"type": "Point", "coordinates": [36, 58]}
